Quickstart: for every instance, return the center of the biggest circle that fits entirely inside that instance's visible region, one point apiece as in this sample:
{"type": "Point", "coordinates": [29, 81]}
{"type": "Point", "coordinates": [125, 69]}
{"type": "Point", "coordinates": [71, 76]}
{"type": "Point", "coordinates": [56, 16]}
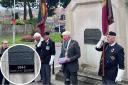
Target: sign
{"type": "Point", "coordinates": [21, 59]}
{"type": "Point", "coordinates": [92, 36]}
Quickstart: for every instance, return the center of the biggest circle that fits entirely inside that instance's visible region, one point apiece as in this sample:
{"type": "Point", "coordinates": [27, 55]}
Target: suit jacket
{"type": "Point", "coordinates": [73, 53]}
{"type": "Point", "coordinates": [113, 58]}
{"type": "Point", "coordinates": [46, 50]}
{"type": "Point", "coordinates": [2, 51]}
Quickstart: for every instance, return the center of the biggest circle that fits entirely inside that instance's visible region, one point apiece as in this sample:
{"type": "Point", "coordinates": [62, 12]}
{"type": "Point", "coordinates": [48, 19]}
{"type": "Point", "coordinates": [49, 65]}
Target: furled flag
{"type": "Point", "coordinates": [107, 16]}
{"type": "Point", "coordinates": [42, 16]}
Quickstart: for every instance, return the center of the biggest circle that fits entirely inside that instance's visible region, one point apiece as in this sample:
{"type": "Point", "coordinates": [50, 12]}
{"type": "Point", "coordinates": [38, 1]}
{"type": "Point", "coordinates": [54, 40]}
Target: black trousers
{"type": "Point", "coordinates": [106, 81]}
{"type": "Point", "coordinates": [6, 82]}
{"type": "Point", "coordinates": [70, 77]}
{"type": "Point", "coordinates": [46, 74]}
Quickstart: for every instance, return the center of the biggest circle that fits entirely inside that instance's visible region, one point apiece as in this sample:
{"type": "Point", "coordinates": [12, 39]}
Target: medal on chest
{"type": "Point", "coordinates": [112, 50]}
{"type": "Point", "coordinates": [112, 53]}
{"type": "Point", "coordinates": [47, 47]}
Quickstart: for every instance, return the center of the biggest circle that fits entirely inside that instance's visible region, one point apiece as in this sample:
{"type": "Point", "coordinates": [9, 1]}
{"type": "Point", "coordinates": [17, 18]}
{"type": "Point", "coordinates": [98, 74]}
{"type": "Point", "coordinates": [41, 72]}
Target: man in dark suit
{"type": "Point", "coordinates": [112, 61]}
{"type": "Point", "coordinates": [70, 52]}
{"type": "Point", "coordinates": [47, 56]}
{"type": "Point", "coordinates": [2, 49]}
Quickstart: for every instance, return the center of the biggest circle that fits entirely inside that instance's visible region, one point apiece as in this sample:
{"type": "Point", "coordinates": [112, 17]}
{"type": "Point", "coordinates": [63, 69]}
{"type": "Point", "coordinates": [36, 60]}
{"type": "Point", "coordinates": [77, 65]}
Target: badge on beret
{"type": "Point", "coordinates": [112, 50]}
{"type": "Point", "coordinates": [112, 57]}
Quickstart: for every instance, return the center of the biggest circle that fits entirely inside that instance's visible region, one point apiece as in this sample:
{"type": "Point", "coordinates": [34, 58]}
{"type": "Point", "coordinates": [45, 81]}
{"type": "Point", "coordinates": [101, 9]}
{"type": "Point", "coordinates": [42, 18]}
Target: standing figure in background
{"type": "Point", "coordinates": [4, 46]}
{"type": "Point", "coordinates": [112, 60]}
{"type": "Point", "coordinates": [70, 53]}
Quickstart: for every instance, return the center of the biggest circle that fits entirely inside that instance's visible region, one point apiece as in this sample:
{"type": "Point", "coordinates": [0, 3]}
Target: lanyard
{"type": "Point", "coordinates": [66, 51]}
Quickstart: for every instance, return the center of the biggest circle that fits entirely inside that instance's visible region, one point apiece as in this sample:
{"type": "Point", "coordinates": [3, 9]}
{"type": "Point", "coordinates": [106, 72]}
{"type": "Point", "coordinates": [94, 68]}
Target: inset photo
{"type": "Point", "coordinates": [20, 64]}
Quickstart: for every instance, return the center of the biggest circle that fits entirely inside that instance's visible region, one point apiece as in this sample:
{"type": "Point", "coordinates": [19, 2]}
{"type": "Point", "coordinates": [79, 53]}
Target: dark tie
{"type": "Point", "coordinates": [65, 44]}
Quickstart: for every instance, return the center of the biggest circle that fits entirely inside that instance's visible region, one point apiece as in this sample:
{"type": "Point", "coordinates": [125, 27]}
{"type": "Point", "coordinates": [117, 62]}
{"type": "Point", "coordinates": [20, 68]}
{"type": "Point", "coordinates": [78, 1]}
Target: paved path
{"type": "Point", "coordinates": [55, 82]}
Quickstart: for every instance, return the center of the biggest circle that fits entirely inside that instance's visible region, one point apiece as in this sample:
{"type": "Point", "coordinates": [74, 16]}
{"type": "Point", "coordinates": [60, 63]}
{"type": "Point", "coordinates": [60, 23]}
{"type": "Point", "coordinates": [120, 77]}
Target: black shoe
{"type": "Point", "coordinates": [52, 84]}
{"type": "Point", "coordinates": [33, 81]}
{"type": "Point", "coordinates": [39, 81]}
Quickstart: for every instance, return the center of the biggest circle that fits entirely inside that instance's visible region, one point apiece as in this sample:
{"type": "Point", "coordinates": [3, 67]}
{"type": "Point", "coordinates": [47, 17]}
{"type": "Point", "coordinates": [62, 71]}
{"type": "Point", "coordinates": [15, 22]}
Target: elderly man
{"type": "Point", "coordinates": [38, 39]}
{"type": "Point", "coordinates": [47, 58]}
{"type": "Point", "coordinates": [70, 52]}
{"type": "Point", "coordinates": [2, 49]}
{"type": "Point", "coordinates": [112, 60]}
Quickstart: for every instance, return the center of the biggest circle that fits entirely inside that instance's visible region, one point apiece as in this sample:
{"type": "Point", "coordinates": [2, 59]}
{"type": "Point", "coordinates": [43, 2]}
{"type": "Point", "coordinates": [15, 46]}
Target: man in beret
{"type": "Point", "coordinates": [112, 60]}
{"type": "Point", "coordinates": [70, 53]}
{"type": "Point", "coordinates": [47, 58]}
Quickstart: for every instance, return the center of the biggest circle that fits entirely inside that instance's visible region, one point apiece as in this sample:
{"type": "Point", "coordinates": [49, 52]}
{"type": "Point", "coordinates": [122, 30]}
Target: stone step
{"type": "Point", "coordinates": [86, 78]}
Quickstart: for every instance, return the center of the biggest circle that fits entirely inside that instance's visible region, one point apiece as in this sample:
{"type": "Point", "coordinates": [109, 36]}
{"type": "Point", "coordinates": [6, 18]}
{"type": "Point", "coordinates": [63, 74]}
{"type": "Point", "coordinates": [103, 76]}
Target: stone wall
{"type": "Point", "coordinates": [83, 14]}
{"type": "Point", "coordinates": [8, 29]}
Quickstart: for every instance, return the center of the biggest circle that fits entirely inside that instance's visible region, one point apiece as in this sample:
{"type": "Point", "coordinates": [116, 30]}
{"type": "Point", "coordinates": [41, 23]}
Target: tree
{"type": "Point", "coordinates": [52, 4]}
{"type": "Point", "coordinates": [30, 10]}
{"type": "Point", "coordinates": [65, 3]}
{"type": "Point", "coordinates": [10, 4]}
{"type": "Point", "coordinates": [7, 3]}
{"type": "Point", "coordinates": [25, 9]}
{"type": "Point", "coordinates": [27, 2]}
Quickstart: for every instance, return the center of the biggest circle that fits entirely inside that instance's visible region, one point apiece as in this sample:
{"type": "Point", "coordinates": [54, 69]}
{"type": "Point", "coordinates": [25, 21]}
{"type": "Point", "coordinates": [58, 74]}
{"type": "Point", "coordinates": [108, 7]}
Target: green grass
{"type": "Point", "coordinates": [54, 36]}
{"type": "Point", "coordinates": [9, 38]}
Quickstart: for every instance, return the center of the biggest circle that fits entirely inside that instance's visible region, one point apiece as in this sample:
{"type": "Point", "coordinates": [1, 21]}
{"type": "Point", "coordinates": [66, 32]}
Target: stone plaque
{"type": "Point", "coordinates": [92, 36]}
{"type": "Point", "coordinates": [21, 59]}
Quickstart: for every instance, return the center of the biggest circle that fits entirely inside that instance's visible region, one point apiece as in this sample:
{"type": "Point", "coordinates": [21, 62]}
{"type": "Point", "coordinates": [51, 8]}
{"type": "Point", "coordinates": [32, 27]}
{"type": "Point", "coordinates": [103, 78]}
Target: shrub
{"type": "Point", "coordinates": [20, 22]}
{"type": "Point", "coordinates": [27, 38]}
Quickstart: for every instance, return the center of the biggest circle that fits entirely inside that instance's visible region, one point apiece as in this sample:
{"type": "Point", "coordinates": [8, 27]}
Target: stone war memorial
{"type": "Point", "coordinates": [84, 20]}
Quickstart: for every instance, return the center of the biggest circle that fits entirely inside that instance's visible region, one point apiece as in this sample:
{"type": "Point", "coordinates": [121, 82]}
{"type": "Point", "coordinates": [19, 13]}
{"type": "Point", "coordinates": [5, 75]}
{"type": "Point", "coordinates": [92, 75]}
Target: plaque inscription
{"type": "Point", "coordinates": [91, 36]}
{"type": "Point", "coordinates": [21, 59]}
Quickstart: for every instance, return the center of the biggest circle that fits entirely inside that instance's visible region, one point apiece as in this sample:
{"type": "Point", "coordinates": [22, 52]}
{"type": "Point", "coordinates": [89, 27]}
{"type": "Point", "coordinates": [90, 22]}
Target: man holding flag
{"type": "Point", "coordinates": [112, 60]}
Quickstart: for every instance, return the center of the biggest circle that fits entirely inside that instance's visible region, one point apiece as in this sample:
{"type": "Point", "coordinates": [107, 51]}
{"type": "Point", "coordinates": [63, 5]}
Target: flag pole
{"type": "Point", "coordinates": [59, 14]}
{"type": "Point", "coordinates": [14, 24]}
{"type": "Point", "coordinates": [103, 60]}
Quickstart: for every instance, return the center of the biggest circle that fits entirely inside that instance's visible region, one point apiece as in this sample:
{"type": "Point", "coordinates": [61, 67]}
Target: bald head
{"type": "Point", "coordinates": [37, 36]}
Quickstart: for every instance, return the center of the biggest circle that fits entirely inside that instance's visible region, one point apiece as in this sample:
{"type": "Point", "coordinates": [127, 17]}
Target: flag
{"type": "Point", "coordinates": [107, 19]}
{"type": "Point", "coordinates": [107, 16]}
{"type": "Point", "coordinates": [42, 16]}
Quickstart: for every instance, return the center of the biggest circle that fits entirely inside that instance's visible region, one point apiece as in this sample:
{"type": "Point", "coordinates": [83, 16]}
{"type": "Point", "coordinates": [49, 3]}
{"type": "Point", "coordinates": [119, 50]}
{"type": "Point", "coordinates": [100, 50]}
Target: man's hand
{"type": "Point", "coordinates": [52, 59]}
{"type": "Point", "coordinates": [103, 38]}
{"type": "Point", "coordinates": [39, 42]}
{"type": "Point", "coordinates": [67, 59]}
{"type": "Point", "coordinates": [119, 75]}
{"type": "Point", "coordinates": [100, 43]}
{"type": "Point", "coordinates": [63, 60]}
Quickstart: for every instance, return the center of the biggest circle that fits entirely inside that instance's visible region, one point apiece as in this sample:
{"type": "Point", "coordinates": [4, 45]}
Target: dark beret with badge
{"type": "Point", "coordinates": [46, 33]}
{"type": "Point", "coordinates": [112, 33]}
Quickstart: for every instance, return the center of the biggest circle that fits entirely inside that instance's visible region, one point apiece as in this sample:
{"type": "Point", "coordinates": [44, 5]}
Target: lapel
{"type": "Point", "coordinates": [70, 44]}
